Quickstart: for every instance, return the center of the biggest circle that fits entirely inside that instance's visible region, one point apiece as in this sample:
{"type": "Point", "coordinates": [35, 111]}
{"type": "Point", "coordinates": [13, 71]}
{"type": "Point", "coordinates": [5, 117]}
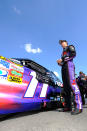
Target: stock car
{"type": "Point", "coordinates": [26, 85]}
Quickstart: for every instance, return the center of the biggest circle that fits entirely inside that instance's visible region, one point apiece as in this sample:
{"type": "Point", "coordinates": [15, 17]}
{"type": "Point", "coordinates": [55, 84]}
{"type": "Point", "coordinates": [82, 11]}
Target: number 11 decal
{"type": "Point", "coordinates": [32, 87]}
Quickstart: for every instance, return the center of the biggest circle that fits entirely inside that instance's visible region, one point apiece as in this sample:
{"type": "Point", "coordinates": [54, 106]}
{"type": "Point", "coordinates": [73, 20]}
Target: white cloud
{"type": "Point", "coordinates": [29, 49]}
{"type": "Point", "coordinates": [56, 73]}
{"type": "Point", "coordinates": [17, 11]}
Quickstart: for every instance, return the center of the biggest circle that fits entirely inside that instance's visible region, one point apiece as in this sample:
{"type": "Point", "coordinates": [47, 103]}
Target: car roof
{"type": "Point", "coordinates": [35, 66]}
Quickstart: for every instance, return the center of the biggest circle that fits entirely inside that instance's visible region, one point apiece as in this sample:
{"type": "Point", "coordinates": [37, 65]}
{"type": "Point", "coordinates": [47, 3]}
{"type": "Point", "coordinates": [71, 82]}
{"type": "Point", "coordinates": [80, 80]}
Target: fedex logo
{"type": "Point", "coordinates": [4, 64]}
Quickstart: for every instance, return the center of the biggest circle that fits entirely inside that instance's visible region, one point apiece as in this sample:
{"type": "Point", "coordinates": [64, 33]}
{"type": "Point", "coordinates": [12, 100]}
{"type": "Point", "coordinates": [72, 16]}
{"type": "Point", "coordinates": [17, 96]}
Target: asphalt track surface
{"type": "Point", "coordinates": [45, 121]}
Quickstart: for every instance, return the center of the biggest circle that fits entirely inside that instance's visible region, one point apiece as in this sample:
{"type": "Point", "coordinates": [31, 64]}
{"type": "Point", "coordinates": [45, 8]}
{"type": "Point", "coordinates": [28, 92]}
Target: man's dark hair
{"type": "Point", "coordinates": [61, 41]}
{"type": "Point", "coordinates": [80, 72]}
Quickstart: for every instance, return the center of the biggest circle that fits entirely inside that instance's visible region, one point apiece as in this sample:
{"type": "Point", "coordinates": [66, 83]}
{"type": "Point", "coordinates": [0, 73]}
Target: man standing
{"type": "Point", "coordinates": [81, 81]}
{"type": "Point", "coordinates": [68, 77]}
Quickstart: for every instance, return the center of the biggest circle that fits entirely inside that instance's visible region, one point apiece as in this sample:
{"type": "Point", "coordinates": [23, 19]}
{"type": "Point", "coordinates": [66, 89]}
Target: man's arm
{"type": "Point", "coordinates": [59, 62]}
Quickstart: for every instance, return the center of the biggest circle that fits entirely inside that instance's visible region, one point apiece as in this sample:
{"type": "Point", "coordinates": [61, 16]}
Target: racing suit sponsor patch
{"type": "Point", "coordinates": [76, 88]}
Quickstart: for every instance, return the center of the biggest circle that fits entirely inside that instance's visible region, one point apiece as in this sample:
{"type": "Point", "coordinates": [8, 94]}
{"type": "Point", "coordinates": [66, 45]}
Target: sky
{"type": "Point", "coordinates": [32, 28]}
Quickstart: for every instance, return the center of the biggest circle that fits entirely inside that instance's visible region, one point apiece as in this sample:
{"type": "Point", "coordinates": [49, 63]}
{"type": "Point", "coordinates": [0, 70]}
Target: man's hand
{"type": "Point", "coordinates": [59, 62]}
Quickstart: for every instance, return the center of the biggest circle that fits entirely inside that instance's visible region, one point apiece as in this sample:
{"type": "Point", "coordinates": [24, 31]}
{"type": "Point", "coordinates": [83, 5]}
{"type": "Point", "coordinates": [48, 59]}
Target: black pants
{"type": "Point", "coordinates": [82, 94]}
{"type": "Point", "coordinates": [66, 85]}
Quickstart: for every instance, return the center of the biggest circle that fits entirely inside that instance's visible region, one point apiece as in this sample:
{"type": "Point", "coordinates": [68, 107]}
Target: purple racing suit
{"type": "Point", "coordinates": [68, 77]}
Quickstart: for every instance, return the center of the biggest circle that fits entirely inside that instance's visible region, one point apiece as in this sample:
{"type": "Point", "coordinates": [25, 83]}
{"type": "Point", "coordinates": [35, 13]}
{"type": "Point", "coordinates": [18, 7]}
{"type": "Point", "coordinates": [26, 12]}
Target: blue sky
{"type": "Point", "coordinates": [38, 25]}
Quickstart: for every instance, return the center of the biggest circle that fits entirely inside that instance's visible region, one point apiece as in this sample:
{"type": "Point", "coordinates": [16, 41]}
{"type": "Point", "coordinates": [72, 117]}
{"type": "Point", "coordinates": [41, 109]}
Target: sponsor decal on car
{"type": "Point", "coordinates": [20, 69]}
{"type": "Point", "coordinates": [13, 72]}
{"type": "Point", "coordinates": [3, 58]}
{"type": "Point", "coordinates": [3, 74]}
{"type": "Point", "coordinates": [14, 79]}
{"type": "Point", "coordinates": [16, 62]}
{"type": "Point", "coordinates": [4, 64]}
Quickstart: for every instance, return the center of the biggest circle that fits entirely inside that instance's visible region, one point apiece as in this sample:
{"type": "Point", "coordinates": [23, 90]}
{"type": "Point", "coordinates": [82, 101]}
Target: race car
{"type": "Point", "coordinates": [26, 85]}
